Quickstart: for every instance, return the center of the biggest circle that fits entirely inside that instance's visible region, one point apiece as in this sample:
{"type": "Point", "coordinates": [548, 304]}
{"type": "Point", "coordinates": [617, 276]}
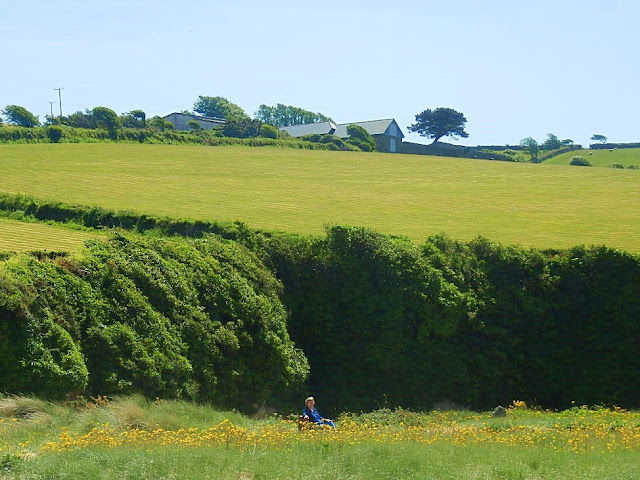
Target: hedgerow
{"type": "Point", "coordinates": [381, 321]}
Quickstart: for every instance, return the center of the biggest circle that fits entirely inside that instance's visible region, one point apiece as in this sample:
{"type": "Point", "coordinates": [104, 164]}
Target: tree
{"type": "Point", "coordinates": [359, 137]}
{"type": "Point", "coordinates": [599, 138]}
{"type": "Point", "coordinates": [285, 115]}
{"type": "Point", "coordinates": [159, 123]}
{"type": "Point", "coordinates": [567, 142]}
{"type": "Point", "coordinates": [551, 143]}
{"type": "Point", "coordinates": [439, 123]}
{"type": "Point", "coordinates": [134, 119]}
{"type": "Point", "coordinates": [80, 120]}
{"type": "Point", "coordinates": [241, 128]}
{"type": "Point", "coordinates": [532, 146]}
{"type": "Point", "coordinates": [268, 131]}
{"type": "Point", "coordinates": [107, 118]}
{"type": "Point", "coordinates": [20, 116]}
{"type": "Point", "coordinates": [219, 107]}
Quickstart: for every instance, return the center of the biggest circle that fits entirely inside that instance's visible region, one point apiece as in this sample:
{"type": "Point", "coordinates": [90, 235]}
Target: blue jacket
{"type": "Point", "coordinates": [313, 415]}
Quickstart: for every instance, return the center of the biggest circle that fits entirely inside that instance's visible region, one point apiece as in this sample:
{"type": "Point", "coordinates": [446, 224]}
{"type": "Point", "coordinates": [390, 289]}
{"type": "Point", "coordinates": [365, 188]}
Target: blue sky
{"type": "Point", "coordinates": [514, 68]}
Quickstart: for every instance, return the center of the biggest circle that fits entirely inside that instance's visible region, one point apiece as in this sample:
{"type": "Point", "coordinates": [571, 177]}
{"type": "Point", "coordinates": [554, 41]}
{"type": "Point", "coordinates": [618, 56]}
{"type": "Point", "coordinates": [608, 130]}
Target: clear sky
{"type": "Point", "coordinates": [514, 68]}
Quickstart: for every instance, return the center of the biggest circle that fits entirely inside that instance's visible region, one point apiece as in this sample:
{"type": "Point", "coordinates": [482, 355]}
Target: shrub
{"type": "Point", "coordinates": [194, 126]}
{"type": "Point", "coordinates": [579, 161]}
{"type": "Point", "coordinates": [55, 133]}
{"type": "Point", "coordinates": [359, 137]}
{"type": "Point", "coordinates": [617, 165]}
{"type": "Point", "coordinates": [268, 131]}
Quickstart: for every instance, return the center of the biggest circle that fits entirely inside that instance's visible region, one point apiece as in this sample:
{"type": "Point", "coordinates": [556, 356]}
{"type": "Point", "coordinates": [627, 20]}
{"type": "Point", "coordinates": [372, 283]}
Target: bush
{"type": "Point", "coordinates": [579, 161]}
{"type": "Point", "coordinates": [171, 318]}
{"type": "Point", "coordinates": [617, 165]}
{"type": "Point", "coordinates": [359, 137]}
{"type": "Point", "coordinates": [55, 133]}
{"type": "Point", "coordinates": [268, 131]}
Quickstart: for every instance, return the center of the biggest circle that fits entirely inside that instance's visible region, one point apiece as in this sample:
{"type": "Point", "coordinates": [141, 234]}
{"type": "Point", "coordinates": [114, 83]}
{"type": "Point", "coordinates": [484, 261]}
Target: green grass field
{"type": "Point", "coordinates": [301, 191]}
{"type": "Point", "coordinates": [133, 438]}
{"type": "Point", "coordinates": [20, 237]}
{"type": "Point", "coordinates": [601, 158]}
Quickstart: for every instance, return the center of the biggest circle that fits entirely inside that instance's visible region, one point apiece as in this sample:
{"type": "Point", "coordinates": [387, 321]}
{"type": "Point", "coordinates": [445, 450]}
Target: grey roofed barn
{"type": "Point", "coordinates": [180, 121]}
{"type": "Point", "coordinates": [385, 132]}
{"type": "Point", "coordinates": [321, 128]}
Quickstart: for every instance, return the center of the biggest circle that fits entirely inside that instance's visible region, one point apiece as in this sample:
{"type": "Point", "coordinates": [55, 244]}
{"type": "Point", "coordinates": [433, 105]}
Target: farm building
{"type": "Point", "coordinates": [386, 133]}
{"type": "Point", "coordinates": [180, 121]}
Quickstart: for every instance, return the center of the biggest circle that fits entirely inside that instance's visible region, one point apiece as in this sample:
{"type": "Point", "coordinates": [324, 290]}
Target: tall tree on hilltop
{"type": "Point", "coordinates": [440, 122]}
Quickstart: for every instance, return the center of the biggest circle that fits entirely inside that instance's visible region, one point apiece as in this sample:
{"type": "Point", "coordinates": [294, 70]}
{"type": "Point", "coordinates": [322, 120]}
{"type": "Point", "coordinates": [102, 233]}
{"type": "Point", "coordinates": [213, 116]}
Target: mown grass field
{"type": "Point", "coordinates": [550, 206]}
{"type": "Point", "coordinates": [21, 236]}
{"type": "Point", "coordinates": [601, 158]}
{"type": "Point", "coordinates": [134, 438]}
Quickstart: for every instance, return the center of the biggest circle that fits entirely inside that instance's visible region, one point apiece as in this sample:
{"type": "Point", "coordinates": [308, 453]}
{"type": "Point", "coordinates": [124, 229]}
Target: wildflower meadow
{"type": "Point", "coordinates": [132, 437]}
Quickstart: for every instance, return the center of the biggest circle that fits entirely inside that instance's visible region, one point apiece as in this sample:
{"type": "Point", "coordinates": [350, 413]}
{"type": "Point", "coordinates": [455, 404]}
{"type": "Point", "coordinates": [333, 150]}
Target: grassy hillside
{"type": "Point", "coordinates": [19, 237]}
{"type": "Point", "coordinates": [301, 191]}
{"type": "Point", "coordinates": [601, 158]}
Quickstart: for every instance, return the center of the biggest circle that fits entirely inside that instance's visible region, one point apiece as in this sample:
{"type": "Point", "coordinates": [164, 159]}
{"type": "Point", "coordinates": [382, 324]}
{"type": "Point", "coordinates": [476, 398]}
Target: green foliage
{"type": "Point", "coordinates": [160, 123]}
{"type": "Point", "coordinates": [55, 133]}
{"type": "Point", "coordinates": [219, 107]}
{"type": "Point", "coordinates": [285, 115]}
{"type": "Point", "coordinates": [268, 131]}
{"type": "Point", "coordinates": [532, 146]}
{"type": "Point", "coordinates": [107, 119]}
{"type": "Point", "coordinates": [365, 308]}
{"type": "Point", "coordinates": [80, 120]}
{"type": "Point", "coordinates": [551, 143]}
{"type": "Point", "coordinates": [20, 116]}
{"type": "Point", "coordinates": [170, 318]}
{"type": "Point", "coordinates": [134, 119]}
{"type": "Point", "coordinates": [599, 138]}
{"type": "Point", "coordinates": [331, 141]}
{"type": "Point", "coordinates": [194, 126]}
{"type": "Point", "coordinates": [241, 128]}
{"type": "Point", "coordinates": [359, 137]}
{"type": "Point", "coordinates": [37, 349]}
{"type": "Point", "coordinates": [439, 122]}
{"type": "Point", "coordinates": [579, 161]}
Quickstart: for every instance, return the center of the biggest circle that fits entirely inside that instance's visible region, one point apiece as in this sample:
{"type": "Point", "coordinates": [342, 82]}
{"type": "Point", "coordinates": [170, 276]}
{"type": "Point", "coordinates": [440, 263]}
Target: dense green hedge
{"type": "Point", "coordinates": [382, 321]}
{"type": "Point", "coordinates": [13, 134]}
{"type": "Point", "coordinates": [385, 322]}
{"type": "Point", "coordinates": [198, 319]}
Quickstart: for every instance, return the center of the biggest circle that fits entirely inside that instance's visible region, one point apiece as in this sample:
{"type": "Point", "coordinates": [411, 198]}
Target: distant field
{"type": "Point", "coordinates": [19, 237]}
{"type": "Point", "coordinates": [301, 191]}
{"type": "Point", "coordinates": [601, 158]}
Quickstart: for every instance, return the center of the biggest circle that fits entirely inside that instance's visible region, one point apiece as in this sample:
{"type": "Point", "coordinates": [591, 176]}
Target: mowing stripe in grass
{"type": "Point", "coordinates": [19, 237]}
{"type": "Point", "coordinates": [300, 191]}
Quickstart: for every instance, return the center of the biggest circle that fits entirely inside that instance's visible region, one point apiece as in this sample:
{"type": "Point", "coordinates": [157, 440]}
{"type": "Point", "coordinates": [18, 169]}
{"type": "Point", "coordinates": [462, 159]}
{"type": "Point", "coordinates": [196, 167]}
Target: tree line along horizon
{"type": "Point", "coordinates": [430, 123]}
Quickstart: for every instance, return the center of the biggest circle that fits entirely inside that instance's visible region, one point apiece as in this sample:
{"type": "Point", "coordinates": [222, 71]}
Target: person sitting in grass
{"type": "Point", "coordinates": [310, 414]}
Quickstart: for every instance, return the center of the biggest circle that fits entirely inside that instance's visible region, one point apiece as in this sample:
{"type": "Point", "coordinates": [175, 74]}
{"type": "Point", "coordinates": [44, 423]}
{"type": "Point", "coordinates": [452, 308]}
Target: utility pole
{"type": "Point", "coordinates": [59, 89]}
{"type": "Point", "coordinates": [51, 105]}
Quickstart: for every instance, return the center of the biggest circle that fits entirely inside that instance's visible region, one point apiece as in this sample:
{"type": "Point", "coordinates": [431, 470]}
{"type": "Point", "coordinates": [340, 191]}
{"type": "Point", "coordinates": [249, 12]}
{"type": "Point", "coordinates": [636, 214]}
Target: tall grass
{"type": "Point", "coordinates": [526, 444]}
{"type": "Point", "coordinates": [545, 206]}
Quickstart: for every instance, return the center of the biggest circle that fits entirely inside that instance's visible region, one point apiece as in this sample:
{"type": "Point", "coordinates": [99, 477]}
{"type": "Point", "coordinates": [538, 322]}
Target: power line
{"type": "Point", "coordinates": [59, 89]}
